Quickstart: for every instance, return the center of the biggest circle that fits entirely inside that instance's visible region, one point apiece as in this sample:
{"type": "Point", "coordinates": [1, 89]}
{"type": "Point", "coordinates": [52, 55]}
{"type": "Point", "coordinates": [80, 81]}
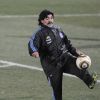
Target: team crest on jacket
{"type": "Point", "coordinates": [48, 40]}
{"type": "Point", "coordinates": [61, 35]}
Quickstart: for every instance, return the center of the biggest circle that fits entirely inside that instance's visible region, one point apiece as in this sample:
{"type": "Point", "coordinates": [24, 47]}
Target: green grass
{"type": "Point", "coordinates": [21, 84]}
{"type": "Point", "coordinates": [84, 21]}
{"type": "Point", "coordinates": [24, 84]}
{"type": "Point", "coordinates": [59, 6]}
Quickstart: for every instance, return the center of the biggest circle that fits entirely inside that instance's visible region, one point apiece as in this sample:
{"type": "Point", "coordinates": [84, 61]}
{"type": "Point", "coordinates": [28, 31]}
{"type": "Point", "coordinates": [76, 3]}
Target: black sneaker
{"type": "Point", "coordinates": [94, 81]}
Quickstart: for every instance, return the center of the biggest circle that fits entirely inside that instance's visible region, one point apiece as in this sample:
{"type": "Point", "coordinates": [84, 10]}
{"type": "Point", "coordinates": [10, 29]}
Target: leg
{"type": "Point", "coordinates": [56, 82]}
{"type": "Point", "coordinates": [71, 68]}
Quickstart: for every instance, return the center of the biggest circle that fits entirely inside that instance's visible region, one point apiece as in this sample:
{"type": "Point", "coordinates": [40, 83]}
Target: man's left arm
{"type": "Point", "coordinates": [72, 49]}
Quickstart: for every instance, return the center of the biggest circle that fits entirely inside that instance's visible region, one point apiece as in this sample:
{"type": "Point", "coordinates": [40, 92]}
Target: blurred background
{"type": "Point", "coordinates": [79, 19]}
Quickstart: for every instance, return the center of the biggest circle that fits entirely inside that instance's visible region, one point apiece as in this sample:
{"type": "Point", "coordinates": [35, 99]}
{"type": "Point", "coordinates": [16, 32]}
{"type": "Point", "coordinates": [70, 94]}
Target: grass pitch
{"type": "Point", "coordinates": [18, 83]}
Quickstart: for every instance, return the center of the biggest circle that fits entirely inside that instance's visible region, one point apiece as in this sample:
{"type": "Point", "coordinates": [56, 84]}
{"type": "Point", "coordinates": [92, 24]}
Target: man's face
{"type": "Point", "coordinates": [48, 21]}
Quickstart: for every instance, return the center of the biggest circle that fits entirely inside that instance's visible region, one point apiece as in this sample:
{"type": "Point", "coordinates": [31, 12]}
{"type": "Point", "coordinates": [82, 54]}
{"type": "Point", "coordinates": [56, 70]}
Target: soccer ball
{"type": "Point", "coordinates": [83, 62]}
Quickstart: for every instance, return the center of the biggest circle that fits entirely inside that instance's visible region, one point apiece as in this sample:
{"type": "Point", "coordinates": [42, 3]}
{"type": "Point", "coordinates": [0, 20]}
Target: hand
{"type": "Point", "coordinates": [81, 54]}
{"type": "Point", "coordinates": [35, 54]}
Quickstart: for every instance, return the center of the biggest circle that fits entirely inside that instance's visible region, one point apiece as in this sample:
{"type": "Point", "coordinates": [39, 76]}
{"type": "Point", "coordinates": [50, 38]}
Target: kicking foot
{"type": "Point", "coordinates": [94, 81]}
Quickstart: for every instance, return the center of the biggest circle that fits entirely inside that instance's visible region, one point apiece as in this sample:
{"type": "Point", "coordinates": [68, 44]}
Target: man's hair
{"type": "Point", "coordinates": [44, 15]}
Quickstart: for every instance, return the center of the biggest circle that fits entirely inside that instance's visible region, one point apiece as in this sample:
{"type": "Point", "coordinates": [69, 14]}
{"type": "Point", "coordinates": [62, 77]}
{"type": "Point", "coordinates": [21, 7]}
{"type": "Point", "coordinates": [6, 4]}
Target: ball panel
{"type": "Point", "coordinates": [83, 62]}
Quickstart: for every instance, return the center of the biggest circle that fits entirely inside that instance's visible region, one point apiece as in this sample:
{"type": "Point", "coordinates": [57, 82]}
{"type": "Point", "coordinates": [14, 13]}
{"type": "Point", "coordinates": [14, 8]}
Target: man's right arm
{"type": "Point", "coordinates": [32, 48]}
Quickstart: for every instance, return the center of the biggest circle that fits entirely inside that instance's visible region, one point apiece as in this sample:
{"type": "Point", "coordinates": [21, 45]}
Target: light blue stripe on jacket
{"type": "Point", "coordinates": [31, 41]}
{"type": "Point", "coordinates": [32, 44]}
{"type": "Point", "coordinates": [52, 89]}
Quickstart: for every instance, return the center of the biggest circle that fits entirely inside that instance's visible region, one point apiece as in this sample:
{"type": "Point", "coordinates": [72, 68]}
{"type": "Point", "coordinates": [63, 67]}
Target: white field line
{"type": "Point", "coordinates": [21, 65]}
{"type": "Point", "coordinates": [57, 15]}
{"type": "Point", "coordinates": [2, 66]}
{"type": "Point", "coordinates": [30, 67]}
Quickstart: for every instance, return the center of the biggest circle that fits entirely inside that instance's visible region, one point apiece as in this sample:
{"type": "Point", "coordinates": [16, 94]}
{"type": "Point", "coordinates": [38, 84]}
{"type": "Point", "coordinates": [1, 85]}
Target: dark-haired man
{"type": "Point", "coordinates": [57, 55]}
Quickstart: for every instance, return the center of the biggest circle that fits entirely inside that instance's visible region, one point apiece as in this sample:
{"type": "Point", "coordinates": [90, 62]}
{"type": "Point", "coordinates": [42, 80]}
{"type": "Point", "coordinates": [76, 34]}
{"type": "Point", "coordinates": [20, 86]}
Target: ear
{"type": "Point", "coordinates": [42, 21]}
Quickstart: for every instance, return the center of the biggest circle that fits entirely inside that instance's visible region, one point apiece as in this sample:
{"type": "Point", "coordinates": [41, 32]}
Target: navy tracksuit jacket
{"type": "Point", "coordinates": [51, 43]}
{"type": "Point", "coordinates": [57, 55]}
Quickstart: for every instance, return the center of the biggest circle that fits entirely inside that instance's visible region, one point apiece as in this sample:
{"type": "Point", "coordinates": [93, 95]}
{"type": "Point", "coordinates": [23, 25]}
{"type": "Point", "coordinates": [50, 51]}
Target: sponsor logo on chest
{"type": "Point", "coordinates": [48, 40]}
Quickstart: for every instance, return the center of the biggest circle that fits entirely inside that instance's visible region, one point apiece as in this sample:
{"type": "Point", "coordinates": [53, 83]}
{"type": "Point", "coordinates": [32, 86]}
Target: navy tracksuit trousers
{"type": "Point", "coordinates": [69, 67]}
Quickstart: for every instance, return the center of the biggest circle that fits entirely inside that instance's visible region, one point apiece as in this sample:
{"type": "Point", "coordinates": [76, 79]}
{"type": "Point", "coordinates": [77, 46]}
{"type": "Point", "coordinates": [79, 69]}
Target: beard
{"type": "Point", "coordinates": [50, 24]}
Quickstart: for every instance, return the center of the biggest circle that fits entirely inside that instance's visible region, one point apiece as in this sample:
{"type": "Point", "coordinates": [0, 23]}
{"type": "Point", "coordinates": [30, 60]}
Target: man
{"type": "Point", "coordinates": [57, 55]}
